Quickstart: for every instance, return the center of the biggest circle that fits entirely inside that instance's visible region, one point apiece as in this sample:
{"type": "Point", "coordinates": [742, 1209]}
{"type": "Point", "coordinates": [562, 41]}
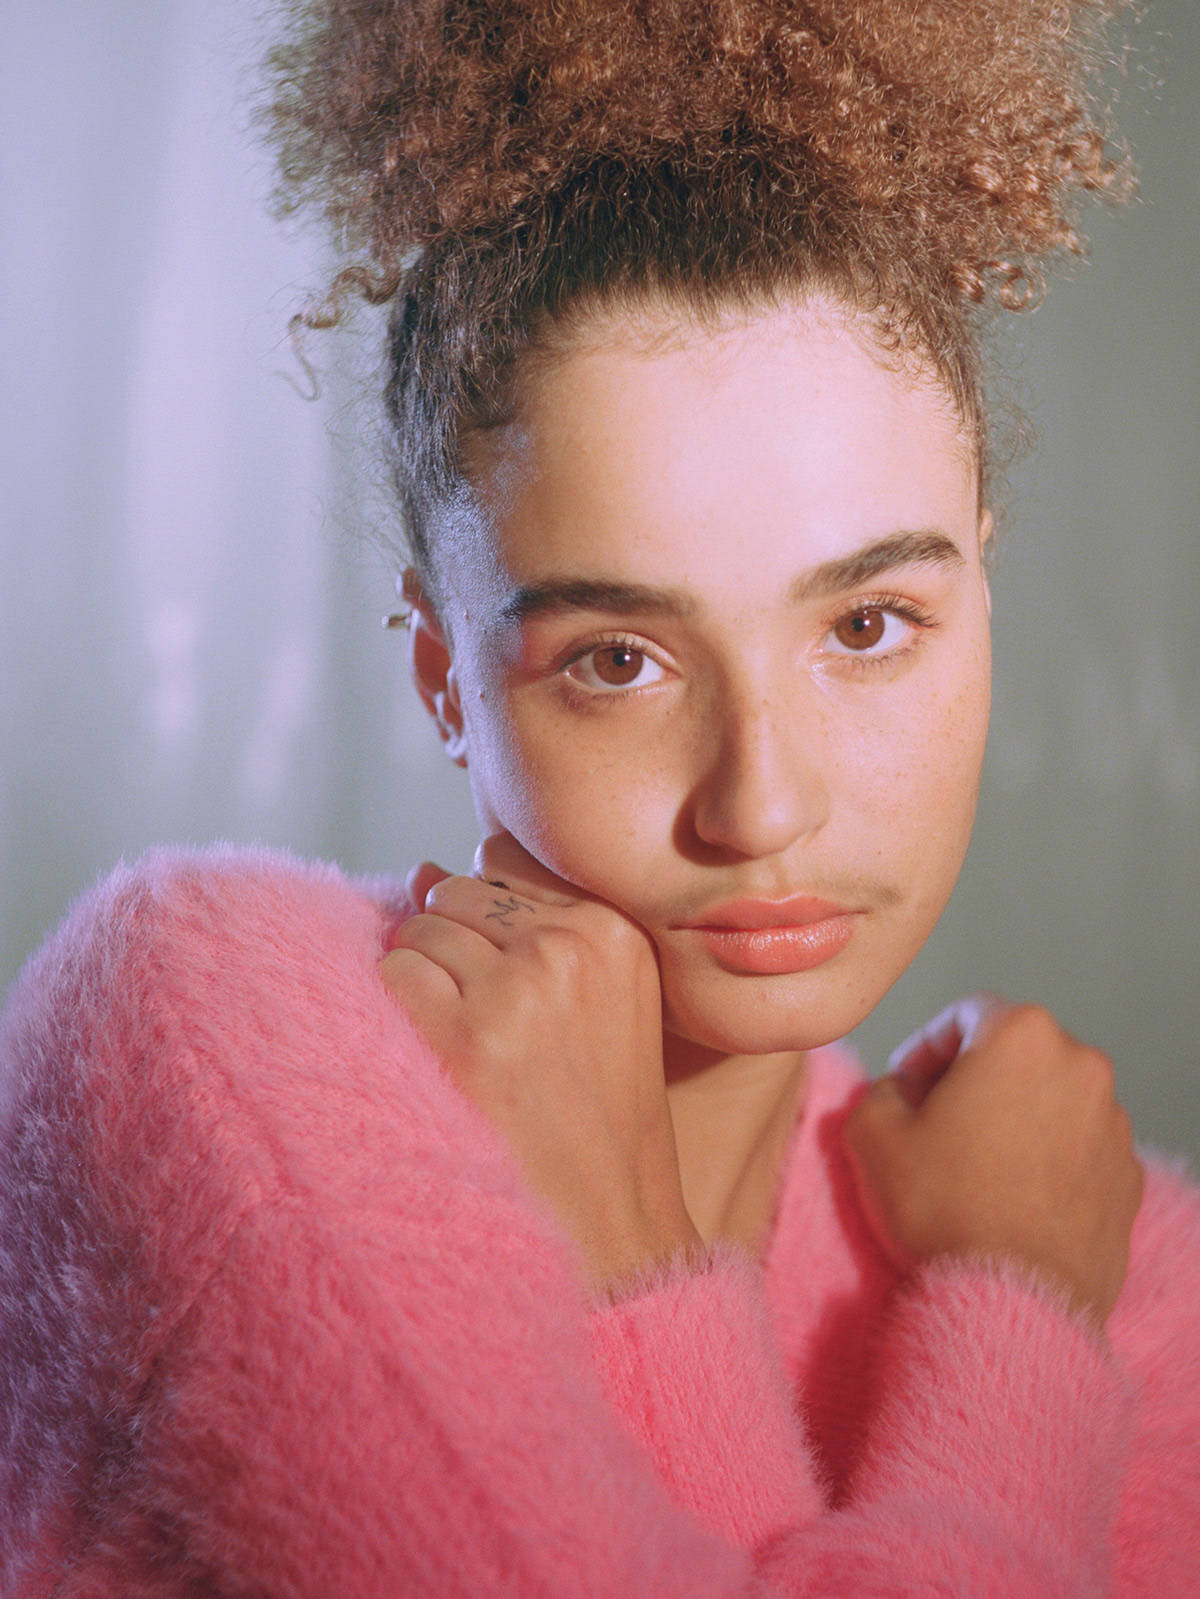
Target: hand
{"type": "Point", "coordinates": [997, 1133]}
{"type": "Point", "coordinates": [543, 1005]}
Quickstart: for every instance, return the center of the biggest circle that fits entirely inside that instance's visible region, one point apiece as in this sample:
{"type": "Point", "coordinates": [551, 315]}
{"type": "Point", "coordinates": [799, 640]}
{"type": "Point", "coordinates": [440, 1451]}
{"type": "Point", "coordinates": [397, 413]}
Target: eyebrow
{"type": "Point", "coordinates": [556, 596]}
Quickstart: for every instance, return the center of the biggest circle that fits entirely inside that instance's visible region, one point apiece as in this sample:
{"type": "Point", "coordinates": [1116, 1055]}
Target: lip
{"type": "Point", "coordinates": [767, 938]}
{"type": "Point", "coordinates": [799, 911]}
{"type": "Point", "coordinates": [771, 951]}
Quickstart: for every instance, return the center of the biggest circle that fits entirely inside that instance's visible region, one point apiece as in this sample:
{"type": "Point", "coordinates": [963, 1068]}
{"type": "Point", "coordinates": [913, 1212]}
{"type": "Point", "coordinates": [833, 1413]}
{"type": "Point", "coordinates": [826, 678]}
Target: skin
{"type": "Point", "coordinates": [634, 767]}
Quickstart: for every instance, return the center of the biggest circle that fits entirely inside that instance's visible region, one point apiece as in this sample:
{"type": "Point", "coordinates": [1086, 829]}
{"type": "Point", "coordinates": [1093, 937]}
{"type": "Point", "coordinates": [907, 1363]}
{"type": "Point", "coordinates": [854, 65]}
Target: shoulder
{"type": "Point", "coordinates": [189, 941]}
{"type": "Point", "coordinates": [234, 915]}
{"type": "Point", "coordinates": [220, 894]}
{"type": "Point", "coordinates": [228, 1165]}
{"type": "Point", "coordinates": [222, 1008]}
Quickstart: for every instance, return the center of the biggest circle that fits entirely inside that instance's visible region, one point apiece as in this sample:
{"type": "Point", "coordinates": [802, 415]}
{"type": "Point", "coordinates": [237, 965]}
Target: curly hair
{"type": "Point", "coordinates": [498, 171]}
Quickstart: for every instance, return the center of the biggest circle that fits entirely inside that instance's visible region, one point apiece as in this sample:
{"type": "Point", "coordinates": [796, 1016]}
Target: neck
{"type": "Point", "coordinates": [733, 1116]}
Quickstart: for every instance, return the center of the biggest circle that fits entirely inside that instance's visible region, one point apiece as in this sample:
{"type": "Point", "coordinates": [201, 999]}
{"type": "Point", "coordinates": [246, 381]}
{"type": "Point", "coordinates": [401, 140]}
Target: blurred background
{"type": "Point", "coordinates": [190, 645]}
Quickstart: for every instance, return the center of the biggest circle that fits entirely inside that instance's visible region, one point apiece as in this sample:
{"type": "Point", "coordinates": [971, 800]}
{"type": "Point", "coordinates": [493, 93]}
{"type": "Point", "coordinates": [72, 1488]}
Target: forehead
{"type": "Point", "coordinates": [663, 451]}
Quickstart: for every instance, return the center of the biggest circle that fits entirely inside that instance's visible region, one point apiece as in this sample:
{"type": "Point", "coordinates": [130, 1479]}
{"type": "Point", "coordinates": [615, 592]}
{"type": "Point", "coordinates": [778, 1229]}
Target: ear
{"type": "Point", "coordinates": [432, 668]}
{"type": "Point", "coordinates": [987, 530]}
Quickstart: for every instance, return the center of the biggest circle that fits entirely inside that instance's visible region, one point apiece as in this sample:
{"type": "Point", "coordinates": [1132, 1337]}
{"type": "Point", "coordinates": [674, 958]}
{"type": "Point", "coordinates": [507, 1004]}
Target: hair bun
{"type": "Point", "coordinates": [973, 122]}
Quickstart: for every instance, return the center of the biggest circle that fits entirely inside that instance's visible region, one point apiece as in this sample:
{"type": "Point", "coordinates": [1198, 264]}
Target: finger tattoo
{"type": "Point", "coordinates": [506, 909]}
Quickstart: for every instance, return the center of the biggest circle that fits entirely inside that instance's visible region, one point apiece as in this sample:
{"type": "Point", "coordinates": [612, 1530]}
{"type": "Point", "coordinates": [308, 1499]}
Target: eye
{"type": "Point", "coordinates": [873, 630]}
{"type": "Point", "coordinates": [609, 668]}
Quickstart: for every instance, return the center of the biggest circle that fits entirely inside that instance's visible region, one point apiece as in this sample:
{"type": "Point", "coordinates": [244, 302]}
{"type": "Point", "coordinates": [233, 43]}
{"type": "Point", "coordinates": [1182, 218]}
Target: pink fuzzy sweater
{"type": "Point", "coordinates": [278, 1316]}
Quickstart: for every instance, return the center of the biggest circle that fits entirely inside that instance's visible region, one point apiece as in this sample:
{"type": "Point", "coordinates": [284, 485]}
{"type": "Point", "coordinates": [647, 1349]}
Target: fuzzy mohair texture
{"type": "Point", "coordinates": [279, 1317]}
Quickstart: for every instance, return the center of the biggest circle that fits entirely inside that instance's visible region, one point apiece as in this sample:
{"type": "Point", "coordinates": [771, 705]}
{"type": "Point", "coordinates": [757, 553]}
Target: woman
{"type": "Point", "coordinates": [524, 1233]}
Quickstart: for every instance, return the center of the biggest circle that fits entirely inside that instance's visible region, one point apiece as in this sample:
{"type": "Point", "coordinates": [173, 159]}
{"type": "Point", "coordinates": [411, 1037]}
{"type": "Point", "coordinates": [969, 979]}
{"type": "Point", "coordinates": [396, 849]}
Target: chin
{"type": "Point", "coordinates": [768, 1018]}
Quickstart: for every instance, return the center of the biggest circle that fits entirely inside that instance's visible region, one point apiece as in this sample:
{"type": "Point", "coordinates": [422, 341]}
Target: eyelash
{"type": "Point", "coordinates": [616, 641]}
{"type": "Point", "coordinates": [894, 604]}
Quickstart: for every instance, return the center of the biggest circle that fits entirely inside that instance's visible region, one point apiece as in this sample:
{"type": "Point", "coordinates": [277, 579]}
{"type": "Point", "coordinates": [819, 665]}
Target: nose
{"type": "Point", "coordinates": [765, 784]}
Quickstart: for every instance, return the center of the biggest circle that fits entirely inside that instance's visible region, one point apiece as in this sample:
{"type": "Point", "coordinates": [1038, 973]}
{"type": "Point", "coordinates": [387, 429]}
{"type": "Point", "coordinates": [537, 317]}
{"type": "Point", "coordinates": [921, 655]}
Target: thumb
{"type": "Point", "coordinates": [924, 1056]}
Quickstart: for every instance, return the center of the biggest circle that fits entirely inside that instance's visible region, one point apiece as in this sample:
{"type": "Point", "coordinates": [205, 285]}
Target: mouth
{"type": "Point", "coordinates": [773, 937]}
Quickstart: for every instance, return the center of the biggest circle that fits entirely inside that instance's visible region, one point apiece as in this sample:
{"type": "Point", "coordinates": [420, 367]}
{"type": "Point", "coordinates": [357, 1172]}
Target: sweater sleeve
{"type": "Point", "coordinates": [993, 1466]}
{"type": "Point", "coordinates": [277, 1316]}
{"type": "Point", "coordinates": [1155, 1332]}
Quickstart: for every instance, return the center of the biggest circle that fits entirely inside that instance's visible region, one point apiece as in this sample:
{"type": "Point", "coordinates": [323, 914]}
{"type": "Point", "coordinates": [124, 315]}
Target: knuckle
{"type": "Point", "coordinates": [1093, 1076]}
{"type": "Point", "coordinates": [451, 894]}
{"type": "Point", "coordinates": [403, 935]}
{"type": "Point", "coordinates": [1032, 1026]}
{"type": "Point", "coordinates": [413, 929]}
{"type": "Point", "coordinates": [567, 946]}
{"type": "Point", "coordinates": [418, 985]}
{"type": "Point", "coordinates": [394, 967]}
{"type": "Point", "coordinates": [1099, 1070]}
{"type": "Point", "coordinates": [439, 896]}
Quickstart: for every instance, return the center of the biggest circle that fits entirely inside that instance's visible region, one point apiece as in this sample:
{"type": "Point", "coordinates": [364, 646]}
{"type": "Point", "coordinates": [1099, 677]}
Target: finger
{"type": "Point", "coordinates": [461, 952]}
{"type": "Point", "coordinates": [420, 880]}
{"type": "Point", "coordinates": [923, 1058]}
{"type": "Point", "coordinates": [880, 1107]}
{"type": "Point", "coordinates": [926, 1054]}
{"type": "Point", "coordinates": [874, 1139]}
{"type": "Point", "coordinates": [501, 857]}
{"type": "Point", "coordinates": [981, 1014]}
{"type": "Point", "coordinates": [493, 910]}
{"type": "Point", "coordinates": [935, 1043]}
{"type": "Point", "coordinates": [423, 989]}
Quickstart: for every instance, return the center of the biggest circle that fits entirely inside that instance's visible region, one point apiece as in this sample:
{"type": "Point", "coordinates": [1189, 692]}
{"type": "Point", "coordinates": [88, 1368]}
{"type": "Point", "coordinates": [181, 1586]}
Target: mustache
{"type": "Point", "coordinates": [855, 893]}
{"type": "Point", "coordinates": [853, 890]}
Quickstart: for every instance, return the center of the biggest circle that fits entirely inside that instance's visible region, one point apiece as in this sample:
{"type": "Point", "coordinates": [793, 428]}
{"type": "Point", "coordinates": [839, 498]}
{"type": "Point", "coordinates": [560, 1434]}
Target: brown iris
{"type": "Point", "coordinates": [862, 631]}
{"type": "Point", "coordinates": [618, 665]}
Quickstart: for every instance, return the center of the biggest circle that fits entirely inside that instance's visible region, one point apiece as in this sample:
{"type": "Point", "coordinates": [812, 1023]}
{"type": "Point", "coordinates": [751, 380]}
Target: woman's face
{"type": "Point", "coordinates": [717, 631]}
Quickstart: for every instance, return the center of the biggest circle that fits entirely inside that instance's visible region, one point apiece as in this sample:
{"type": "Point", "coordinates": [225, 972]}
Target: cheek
{"type": "Point", "coordinates": [930, 756]}
{"type": "Point", "coordinates": [585, 805]}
